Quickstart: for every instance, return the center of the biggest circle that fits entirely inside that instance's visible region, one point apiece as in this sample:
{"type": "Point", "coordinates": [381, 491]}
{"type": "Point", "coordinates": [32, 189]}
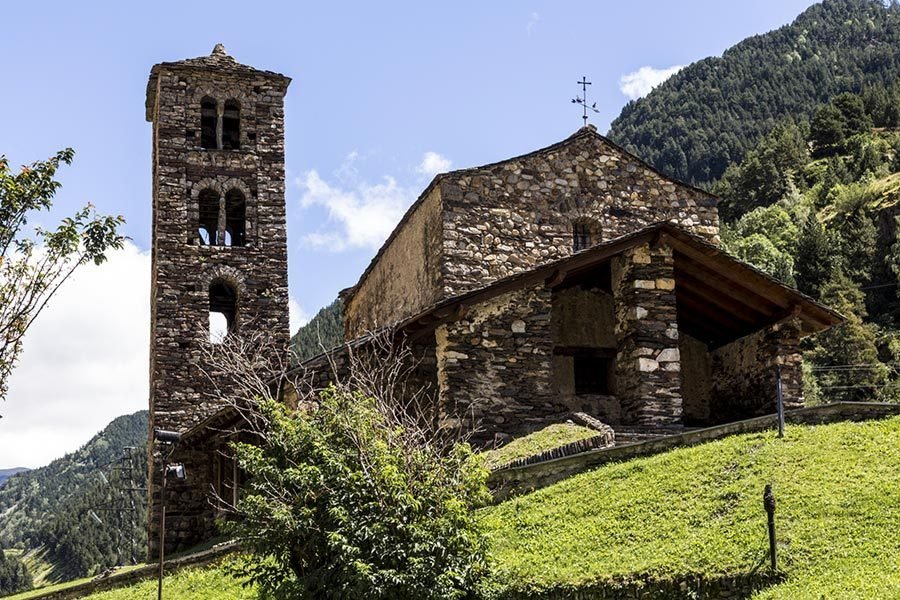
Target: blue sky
{"type": "Point", "coordinates": [383, 96]}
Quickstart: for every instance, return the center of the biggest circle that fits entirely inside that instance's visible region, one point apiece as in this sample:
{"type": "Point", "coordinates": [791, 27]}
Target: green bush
{"type": "Point", "coordinates": [348, 501]}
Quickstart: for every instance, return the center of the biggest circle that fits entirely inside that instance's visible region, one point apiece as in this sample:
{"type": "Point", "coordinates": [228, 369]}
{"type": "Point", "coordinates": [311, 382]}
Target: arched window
{"type": "Point", "coordinates": [208, 224]}
{"type": "Point", "coordinates": [222, 310]}
{"type": "Point", "coordinates": [231, 126]}
{"type": "Point", "coordinates": [585, 233]}
{"type": "Point", "coordinates": [209, 119]}
{"type": "Point", "coordinates": [235, 218]}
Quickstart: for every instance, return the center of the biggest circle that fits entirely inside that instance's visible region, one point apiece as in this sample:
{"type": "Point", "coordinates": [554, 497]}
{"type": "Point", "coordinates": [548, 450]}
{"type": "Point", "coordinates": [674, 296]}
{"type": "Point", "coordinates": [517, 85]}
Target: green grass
{"type": "Point", "coordinates": [548, 438]}
{"type": "Point", "coordinates": [194, 583]}
{"type": "Point", "coordinates": [699, 510]}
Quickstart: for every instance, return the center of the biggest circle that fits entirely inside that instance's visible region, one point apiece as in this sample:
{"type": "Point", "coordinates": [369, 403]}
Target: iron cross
{"type": "Point", "coordinates": [582, 100]}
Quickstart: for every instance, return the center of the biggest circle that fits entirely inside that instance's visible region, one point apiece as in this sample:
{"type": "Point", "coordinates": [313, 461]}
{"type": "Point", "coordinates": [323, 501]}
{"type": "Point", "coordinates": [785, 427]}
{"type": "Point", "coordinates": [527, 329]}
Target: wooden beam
{"type": "Point", "coordinates": [706, 294]}
{"type": "Point", "coordinates": [699, 276]}
{"type": "Point", "coordinates": [734, 271]}
{"type": "Point", "coordinates": [557, 278]}
{"type": "Point", "coordinates": [719, 318]}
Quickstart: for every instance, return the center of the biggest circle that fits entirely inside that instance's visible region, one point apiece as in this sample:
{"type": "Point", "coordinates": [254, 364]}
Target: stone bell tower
{"type": "Point", "coordinates": [219, 245]}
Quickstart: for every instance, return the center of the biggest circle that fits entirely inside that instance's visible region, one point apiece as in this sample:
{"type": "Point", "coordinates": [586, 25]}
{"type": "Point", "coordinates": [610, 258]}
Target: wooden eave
{"type": "Point", "coordinates": [719, 298]}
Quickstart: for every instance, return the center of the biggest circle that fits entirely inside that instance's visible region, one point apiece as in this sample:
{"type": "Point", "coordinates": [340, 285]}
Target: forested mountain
{"type": "Point", "coordinates": [7, 473]}
{"type": "Point", "coordinates": [712, 112]}
{"type": "Point", "coordinates": [51, 507]}
{"type": "Point", "coordinates": [818, 205]}
{"type": "Point", "coordinates": [323, 332]}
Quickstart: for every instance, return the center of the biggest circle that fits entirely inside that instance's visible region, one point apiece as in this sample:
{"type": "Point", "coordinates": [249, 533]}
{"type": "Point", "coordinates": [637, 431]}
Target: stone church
{"type": "Point", "coordinates": [574, 278]}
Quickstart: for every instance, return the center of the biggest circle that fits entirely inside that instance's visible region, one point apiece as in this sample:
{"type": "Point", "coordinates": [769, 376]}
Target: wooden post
{"type": "Point", "coordinates": [769, 504]}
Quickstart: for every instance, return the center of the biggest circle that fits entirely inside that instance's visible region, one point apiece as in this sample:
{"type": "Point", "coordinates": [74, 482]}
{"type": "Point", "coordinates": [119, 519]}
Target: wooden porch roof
{"type": "Point", "coordinates": [719, 298]}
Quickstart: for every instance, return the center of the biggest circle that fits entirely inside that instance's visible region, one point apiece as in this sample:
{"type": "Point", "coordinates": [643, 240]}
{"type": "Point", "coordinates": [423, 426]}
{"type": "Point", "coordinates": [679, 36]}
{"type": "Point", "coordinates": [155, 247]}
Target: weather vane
{"type": "Point", "coordinates": [582, 100]}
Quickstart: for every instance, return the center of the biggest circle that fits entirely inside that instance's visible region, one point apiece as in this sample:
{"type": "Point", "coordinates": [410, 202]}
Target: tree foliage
{"type": "Point", "coordinates": [355, 491]}
{"type": "Point", "coordinates": [33, 267]}
{"type": "Point", "coordinates": [14, 576]}
{"type": "Point", "coordinates": [49, 507]}
{"type": "Point", "coordinates": [711, 113]}
{"type": "Point", "coordinates": [323, 332]}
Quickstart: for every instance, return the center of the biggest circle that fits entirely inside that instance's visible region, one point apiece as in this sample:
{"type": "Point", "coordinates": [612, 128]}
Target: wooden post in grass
{"type": "Point", "coordinates": [769, 504]}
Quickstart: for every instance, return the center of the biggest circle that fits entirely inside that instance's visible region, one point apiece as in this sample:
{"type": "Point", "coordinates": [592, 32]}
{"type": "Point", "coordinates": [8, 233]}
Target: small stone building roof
{"type": "Point", "coordinates": [218, 60]}
{"type": "Point", "coordinates": [721, 297]}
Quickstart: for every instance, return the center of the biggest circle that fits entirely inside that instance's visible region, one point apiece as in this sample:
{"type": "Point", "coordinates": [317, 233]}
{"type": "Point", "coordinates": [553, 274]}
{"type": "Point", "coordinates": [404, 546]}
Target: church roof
{"type": "Point", "coordinates": [217, 60]}
{"type": "Point", "coordinates": [587, 132]}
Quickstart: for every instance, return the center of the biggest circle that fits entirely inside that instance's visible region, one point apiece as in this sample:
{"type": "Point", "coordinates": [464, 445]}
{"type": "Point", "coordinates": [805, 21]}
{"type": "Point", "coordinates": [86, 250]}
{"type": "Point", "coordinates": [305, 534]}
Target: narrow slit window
{"type": "Point", "coordinates": [231, 126]}
{"type": "Point", "coordinates": [235, 218]}
{"type": "Point", "coordinates": [582, 235]}
{"type": "Point", "coordinates": [208, 223]}
{"type": "Point", "coordinates": [222, 311]}
{"type": "Point", "coordinates": [208, 122]}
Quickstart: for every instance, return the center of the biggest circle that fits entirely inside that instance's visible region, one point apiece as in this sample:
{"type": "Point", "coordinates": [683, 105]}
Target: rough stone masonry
{"type": "Point", "coordinates": [236, 267]}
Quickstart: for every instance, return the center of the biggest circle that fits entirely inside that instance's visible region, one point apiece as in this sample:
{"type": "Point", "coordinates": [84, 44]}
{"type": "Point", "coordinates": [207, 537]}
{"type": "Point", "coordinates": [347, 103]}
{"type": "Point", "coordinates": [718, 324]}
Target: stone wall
{"type": "Point", "coordinates": [182, 268]}
{"type": "Point", "coordinates": [511, 216]}
{"type": "Point", "coordinates": [696, 380]}
{"type": "Point", "coordinates": [744, 373]}
{"type": "Point", "coordinates": [494, 366]}
{"type": "Point", "coordinates": [406, 277]}
{"type": "Point", "coordinates": [648, 378]}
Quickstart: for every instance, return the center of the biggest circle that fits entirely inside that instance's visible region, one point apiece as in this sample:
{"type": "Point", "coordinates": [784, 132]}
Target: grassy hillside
{"type": "Point", "coordinates": [699, 511]}
{"type": "Point", "coordinates": [692, 511]}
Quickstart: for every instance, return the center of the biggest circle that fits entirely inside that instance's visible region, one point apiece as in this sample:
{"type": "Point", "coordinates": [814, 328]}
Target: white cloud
{"type": "Point", "coordinates": [533, 20]}
{"type": "Point", "coordinates": [84, 362]}
{"type": "Point", "coordinates": [433, 163]}
{"type": "Point", "coordinates": [298, 316]}
{"type": "Point", "coordinates": [639, 83]}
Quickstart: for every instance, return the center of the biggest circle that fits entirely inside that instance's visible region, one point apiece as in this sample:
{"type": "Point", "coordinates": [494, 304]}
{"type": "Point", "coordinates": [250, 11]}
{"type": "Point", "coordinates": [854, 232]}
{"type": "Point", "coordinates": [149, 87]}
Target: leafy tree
{"type": "Point", "coordinates": [858, 235]}
{"type": "Point", "coordinates": [14, 576]}
{"type": "Point", "coordinates": [846, 358]}
{"type": "Point", "coordinates": [32, 268]}
{"type": "Point", "coordinates": [766, 175]}
{"type": "Point", "coordinates": [767, 239]}
{"type": "Point", "coordinates": [827, 131]}
{"type": "Point", "coordinates": [356, 495]}
{"type": "Point", "coordinates": [815, 258]}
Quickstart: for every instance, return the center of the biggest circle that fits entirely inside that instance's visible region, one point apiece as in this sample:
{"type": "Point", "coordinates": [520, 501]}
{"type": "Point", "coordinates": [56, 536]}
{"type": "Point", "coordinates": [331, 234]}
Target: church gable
{"type": "Point", "coordinates": [474, 226]}
{"type": "Point", "coordinates": [512, 216]}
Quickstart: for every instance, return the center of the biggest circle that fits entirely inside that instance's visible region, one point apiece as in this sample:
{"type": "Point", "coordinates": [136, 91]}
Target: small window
{"type": "Point", "coordinates": [583, 234]}
{"type": "Point", "coordinates": [235, 218]}
{"type": "Point", "coordinates": [592, 374]}
{"type": "Point", "coordinates": [209, 119]}
{"type": "Point", "coordinates": [231, 126]}
{"type": "Point", "coordinates": [222, 311]}
{"type": "Point", "coordinates": [208, 223]}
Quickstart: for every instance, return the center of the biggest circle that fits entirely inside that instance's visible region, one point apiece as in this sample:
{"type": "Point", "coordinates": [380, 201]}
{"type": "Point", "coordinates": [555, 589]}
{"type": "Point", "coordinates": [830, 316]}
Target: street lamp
{"type": "Point", "coordinates": [166, 439]}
